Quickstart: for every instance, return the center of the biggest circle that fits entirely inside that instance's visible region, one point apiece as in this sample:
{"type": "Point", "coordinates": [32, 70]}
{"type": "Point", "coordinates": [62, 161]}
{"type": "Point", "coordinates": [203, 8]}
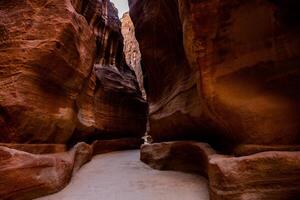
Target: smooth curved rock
{"type": "Point", "coordinates": [225, 71]}
{"type": "Point", "coordinates": [49, 91]}
{"type": "Point", "coordinates": [26, 176]}
{"type": "Point", "coordinates": [272, 175]}
{"type": "Point", "coordinates": [47, 168]}
{"type": "Point", "coordinates": [188, 156]}
{"type": "Point", "coordinates": [111, 103]}
{"type": "Point", "coordinates": [46, 52]}
{"type": "Point", "coordinates": [170, 83]}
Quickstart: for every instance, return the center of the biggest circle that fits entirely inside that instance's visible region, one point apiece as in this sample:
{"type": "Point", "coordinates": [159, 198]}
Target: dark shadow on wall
{"type": "Point", "coordinates": [288, 11]}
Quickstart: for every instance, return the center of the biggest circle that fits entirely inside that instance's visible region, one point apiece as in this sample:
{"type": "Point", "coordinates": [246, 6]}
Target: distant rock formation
{"type": "Point", "coordinates": [132, 50]}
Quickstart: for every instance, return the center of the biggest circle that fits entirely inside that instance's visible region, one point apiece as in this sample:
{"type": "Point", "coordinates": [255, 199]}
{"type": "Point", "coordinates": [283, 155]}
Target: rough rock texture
{"type": "Point", "coordinates": [43, 63]}
{"type": "Point", "coordinates": [48, 85]}
{"type": "Point", "coordinates": [227, 71]}
{"type": "Point", "coordinates": [272, 175]}
{"type": "Point", "coordinates": [26, 176]}
{"type": "Point", "coordinates": [132, 50]}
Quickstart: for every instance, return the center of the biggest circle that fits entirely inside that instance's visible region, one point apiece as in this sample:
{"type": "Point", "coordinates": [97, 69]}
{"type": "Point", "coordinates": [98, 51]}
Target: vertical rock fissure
{"type": "Point", "coordinates": [132, 50]}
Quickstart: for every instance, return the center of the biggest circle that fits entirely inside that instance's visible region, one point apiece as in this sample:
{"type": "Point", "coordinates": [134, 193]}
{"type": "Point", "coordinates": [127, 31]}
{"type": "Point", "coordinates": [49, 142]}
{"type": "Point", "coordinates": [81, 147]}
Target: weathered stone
{"type": "Point", "coordinates": [188, 156]}
{"type": "Point", "coordinates": [111, 104]}
{"type": "Point", "coordinates": [46, 50]}
{"type": "Point", "coordinates": [63, 79]}
{"type": "Point", "coordinates": [50, 82]}
{"type": "Point", "coordinates": [27, 176]}
{"type": "Point", "coordinates": [227, 71]}
{"type": "Point", "coordinates": [264, 176]}
{"type": "Point", "coordinates": [272, 175]}
{"type": "Point", "coordinates": [132, 50]}
{"type": "Point", "coordinates": [170, 83]}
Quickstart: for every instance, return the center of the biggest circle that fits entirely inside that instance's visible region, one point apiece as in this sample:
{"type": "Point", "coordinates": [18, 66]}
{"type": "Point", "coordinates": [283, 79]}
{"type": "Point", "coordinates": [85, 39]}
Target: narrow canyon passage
{"type": "Point", "coordinates": [121, 175]}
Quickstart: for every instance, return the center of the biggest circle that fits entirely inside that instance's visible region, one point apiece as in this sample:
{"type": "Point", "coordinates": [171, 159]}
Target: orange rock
{"type": "Point", "coordinates": [48, 85]}
{"type": "Point", "coordinates": [27, 176]}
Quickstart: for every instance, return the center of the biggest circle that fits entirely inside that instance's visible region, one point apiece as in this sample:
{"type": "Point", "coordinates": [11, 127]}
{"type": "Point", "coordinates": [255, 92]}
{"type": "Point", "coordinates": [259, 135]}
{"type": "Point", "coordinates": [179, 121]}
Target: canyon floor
{"type": "Point", "coordinates": [122, 176]}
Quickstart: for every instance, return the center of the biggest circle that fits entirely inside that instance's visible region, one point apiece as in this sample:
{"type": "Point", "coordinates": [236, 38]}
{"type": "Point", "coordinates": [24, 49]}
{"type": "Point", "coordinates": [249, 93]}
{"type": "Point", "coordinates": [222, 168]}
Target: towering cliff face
{"type": "Point", "coordinates": [171, 84]}
{"type": "Point", "coordinates": [229, 65]}
{"type": "Point", "coordinates": [132, 50]}
{"type": "Point", "coordinates": [227, 71]}
{"type": "Point", "coordinates": [111, 104]}
{"type": "Point", "coordinates": [62, 70]}
{"type": "Point", "coordinates": [63, 79]}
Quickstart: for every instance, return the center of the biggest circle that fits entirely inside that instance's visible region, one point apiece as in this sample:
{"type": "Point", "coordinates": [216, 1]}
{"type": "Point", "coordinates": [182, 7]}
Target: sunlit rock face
{"type": "Point", "coordinates": [229, 65]}
{"type": "Point", "coordinates": [49, 87]}
{"type": "Point", "coordinates": [132, 50]}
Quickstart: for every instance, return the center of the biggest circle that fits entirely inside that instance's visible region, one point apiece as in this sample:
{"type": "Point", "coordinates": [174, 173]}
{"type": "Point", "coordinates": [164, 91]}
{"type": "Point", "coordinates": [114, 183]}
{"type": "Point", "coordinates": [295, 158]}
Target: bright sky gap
{"type": "Point", "coordinates": [121, 5]}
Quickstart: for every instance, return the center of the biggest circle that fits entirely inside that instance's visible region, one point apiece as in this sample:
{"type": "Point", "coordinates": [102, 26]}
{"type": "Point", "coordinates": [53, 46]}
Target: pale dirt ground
{"type": "Point", "coordinates": [122, 176]}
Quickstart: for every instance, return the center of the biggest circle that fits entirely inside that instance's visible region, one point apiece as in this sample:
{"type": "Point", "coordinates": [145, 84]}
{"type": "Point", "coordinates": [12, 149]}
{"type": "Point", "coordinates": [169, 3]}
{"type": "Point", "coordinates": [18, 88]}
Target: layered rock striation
{"type": "Point", "coordinates": [63, 74]}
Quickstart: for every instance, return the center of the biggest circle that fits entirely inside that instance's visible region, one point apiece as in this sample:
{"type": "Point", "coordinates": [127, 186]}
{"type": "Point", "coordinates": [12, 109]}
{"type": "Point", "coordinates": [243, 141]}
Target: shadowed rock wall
{"type": "Point", "coordinates": [170, 83]}
{"type": "Point", "coordinates": [226, 71]}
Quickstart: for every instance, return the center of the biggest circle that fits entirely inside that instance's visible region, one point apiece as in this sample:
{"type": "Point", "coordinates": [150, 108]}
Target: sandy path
{"type": "Point", "coordinates": [121, 176]}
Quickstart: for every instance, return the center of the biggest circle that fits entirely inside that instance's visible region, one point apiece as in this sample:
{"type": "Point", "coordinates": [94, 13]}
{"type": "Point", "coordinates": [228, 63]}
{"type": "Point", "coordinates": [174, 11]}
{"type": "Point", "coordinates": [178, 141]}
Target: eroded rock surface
{"type": "Point", "coordinates": [170, 83]}
{"type": "Point", "coordinates": [272, 175]}
{"type": "Point", "coordinates": [29, 171]}
{"type": "Point", "coordinates": [62, 70]}
{"type": "Point", "coordinates": [46, 52]}
{"type": "Point", "coordinates": [63, 79]}
{"type": "Point", "coordinates": [132, 50]}
{"type": "Point", "coordinates": [27, 176]}
{"type": "Point", "coordinates": [227, 71]}
{"type": "Point", "coordinates": [263, 176]}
